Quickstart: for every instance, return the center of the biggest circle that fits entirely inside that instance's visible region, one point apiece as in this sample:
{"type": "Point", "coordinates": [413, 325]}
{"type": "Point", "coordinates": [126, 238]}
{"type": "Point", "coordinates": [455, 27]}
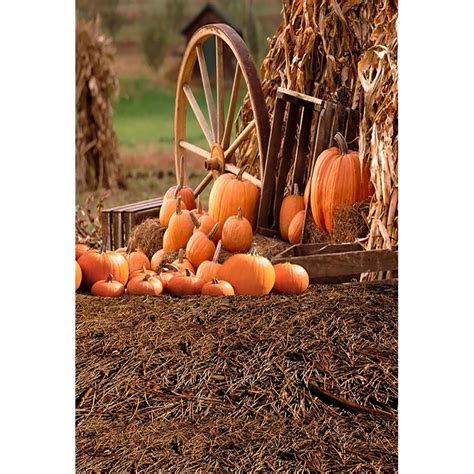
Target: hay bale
{"type": "Point", "coordinates": [97, 158]}
{"type": "Point", "coordinates": [267, 247]}
{"type": "Point", "coordinates": [147, 236]}
{"type": "Point", "coordinates": [350, 223]}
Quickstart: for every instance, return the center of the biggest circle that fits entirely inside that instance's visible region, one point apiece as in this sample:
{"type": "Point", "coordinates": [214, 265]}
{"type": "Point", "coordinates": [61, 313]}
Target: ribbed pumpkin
{"type": "Point", "coordinates": [186, 193]}
{"type": "Point", "coordinates": [97, 266]}
{"type": "Point", "coordinates": [184, 285]}
{"type": "Point", "coordinates": [290, 279]}
{"type": "Point", "coordinates": [157, 259]}
{"type": "Point", "coordinates": [338, 180]}
{"type": "Point", "coordinates": [107, 287]}
{"type": "Point", "coordinates": [290, 206]}
{"type": "Point", "coordinates": [78, 275]}
{"type": "Point", "coordinates": [249, 274]}
{"type": "Point", "coordinates": [145, 285]}
{"type": "Point", "coordinates": [182, 262]}
{"type": "Point", "coordinates": [237, 234]}
{"type": "Point", "coordinates": [81, 249]}
{"type": "Point", "coordinates": [201, 247]}
{"type": "Point", "coordinates": [168, 208]}
{"type": "Point", "coordinates": [217, 288]}
{"type": "Point", "coordinates": [137, 260]}
{"type": "Point", "coordinates": [210, 269]}
{"type": "Point", "coordinates": [168, 272]}
{"type": "Point", "coordinates": [204, 224]}
{"type": "Point", "coordinates": [142, 272]}
{"type": "Point", "coordinates": [230, 192]}
{"type": "Point", "coordinates": [295, 230]}
{"type": "Point", "coordinates": [179, 230]}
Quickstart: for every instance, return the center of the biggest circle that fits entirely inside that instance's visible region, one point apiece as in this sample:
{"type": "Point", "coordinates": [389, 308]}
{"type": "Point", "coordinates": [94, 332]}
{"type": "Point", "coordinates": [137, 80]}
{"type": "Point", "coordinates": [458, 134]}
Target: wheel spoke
{"type": "Point", "coordinates": [198, 113]}
{"type": "Point", "coordinates": [239, 140]}
{"type": "Point", "coordinates": [220, 88]}
{"type": "Point", "coordinates": [232, 105]}
{"type": "Point", "coordinates": [194, 149]}
{"type": "Point", "coordinates": [235, 170]}
{"type": "Point", "coordinates": [202, 185]}
{"type": "Point", "coordinates": [207, 91]}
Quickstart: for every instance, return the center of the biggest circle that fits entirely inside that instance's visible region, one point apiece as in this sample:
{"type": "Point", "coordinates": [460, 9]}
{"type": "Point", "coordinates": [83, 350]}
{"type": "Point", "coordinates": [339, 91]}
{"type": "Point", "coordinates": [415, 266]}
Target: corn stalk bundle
{"type": "Point", "coordinates": [97, 158]}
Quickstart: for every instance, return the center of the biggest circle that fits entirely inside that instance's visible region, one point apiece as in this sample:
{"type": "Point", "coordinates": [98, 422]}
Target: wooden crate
{"type": "Point", "coordinates": [118, 222]}
{"type": "Point", "coordinates": [297, 145]}
{"type": "Point", "coordinates": [341, 263]}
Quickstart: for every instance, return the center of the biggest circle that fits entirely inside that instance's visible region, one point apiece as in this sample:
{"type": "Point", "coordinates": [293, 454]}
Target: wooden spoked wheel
{"type": "Point", "coordinates": [219, 148]}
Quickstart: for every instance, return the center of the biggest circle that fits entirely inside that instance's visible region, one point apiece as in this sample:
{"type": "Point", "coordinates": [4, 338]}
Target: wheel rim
{"type": "Point", "coordinates": [219, 149]}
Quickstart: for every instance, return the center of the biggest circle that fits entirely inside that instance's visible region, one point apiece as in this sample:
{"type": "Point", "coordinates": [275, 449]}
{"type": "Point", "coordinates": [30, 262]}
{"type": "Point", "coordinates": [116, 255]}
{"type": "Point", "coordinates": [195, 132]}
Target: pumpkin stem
{"type": "Point", "coordinates": [215, 259]}
{"type": "Point", "coordinates": [109, 278]}
{"type": "Point", "coordinates": [341, 143]}
{"type": "Point", "coordinates": [147, 277]}
{"type": "Point", "coordinates": [188, 272]}
{"type": "Point", "coordinates": [178, 205]}
{"type": "Point", "coordinates": [296, 189]}
{"type": "Point", "coordinates": [181, 255]}
{"type": "Point", "coordinates": [169, 267]}
{"type": "Point", "coordinates": [239, 213]}
{"type": "Point", "coordinates": [253, 249]}
{"type": "Point", "coordinates": [195, 220]}
{"type": "Point", "coordinates": [177, 190]}
{"type": "Point", "coordinates": [241, 172]}
{"type": "Point", "coordinates": [215, 281]}
{"type": "Point", "coordinates": [213, 231]}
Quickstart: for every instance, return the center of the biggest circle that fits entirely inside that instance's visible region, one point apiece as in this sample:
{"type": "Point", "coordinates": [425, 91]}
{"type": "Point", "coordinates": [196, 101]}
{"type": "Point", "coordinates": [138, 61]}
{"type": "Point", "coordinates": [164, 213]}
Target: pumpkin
{"type": "Point", "coordinates": [142, 272]}
{"type": "Point", "coordinates": [290, 278]}
{"type": "Point", "coordinates": [78, 275]}
{"type": "Point", "coordinates": [210, 269]}
{"type": "Point", "coordinates": [237, 234]}
{"type": "Point", "coordinates": [168, 208]}
{"type": "Point", "coordinates": [179, 230]}
{"type": "Point", "coordinates": [185, 192]}
{"type": "Point", "coordinates": [145, 285]}
{"type": "Point", "coordinates": [201, 247]}
{"type": "Point", "coordinates": [338, 179]}
{"type": "Point", "coordinates": [107, 287]}
{"type": "Point", "coordinates": [217, 288]}
{"type": "Point", "coordinates": [199, 210]}
{"type": "Point", "coordinates": [295, 230]}
{"type": "Point", "coordinates": [137, 260]}
{"type": "Point", "coordinates": [97, 266]}
{"type": "Point", "coordinates": [204, 224]}
{"type": "Point", "coordinates": [230, 192]}
{"type": "Point", "coordinates": [157, 260]}
{"type": "Point", "coordinates": [168, 272]}
{"type": "Point", "coordinates": [182, 262]}
{"type": "Point", "coordinates": [290, 206]}
{"type": "Point", "coordinates": [81, 249]}
{"type": "Point", "coordinates": [183, 285]}
{"type": "Point", "coordinates": [249, 274]}
{"type": "Point", "coordinates": [307, 191]}
{"type": "Point", "coordinates": [122, 251]}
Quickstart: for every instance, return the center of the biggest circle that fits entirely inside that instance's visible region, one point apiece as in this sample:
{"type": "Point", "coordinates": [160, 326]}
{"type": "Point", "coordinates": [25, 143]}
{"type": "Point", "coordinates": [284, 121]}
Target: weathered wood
{"type": "Point", "coordinates": [207, 91]}
{"type": "Point", "coordinates": [189, 147]}
{"type": "Point", "coordinates": [220, 88]}
{"type": "Point", "coordinates": [235, 170]}
{"type": "Point", "coordinates": [323, 134]}
{"type": "Point", "coordinates": [297, 97]}
{"type": "Point", "coordinates": [302, 151]}
{"type": "Point", "coordinates": [198, 114]}
{"type": "Point", "coordinates": [232, 105]}
{"type": "Point", "coordinates": [339, 125]}
{"type": "Point", "coordinates": [352, 129]}
{"type": "Point", "coordinates": [299, 250]}
{"type": "Point", "coordinates": [243, 135]}
{"type": "Point", "coordinates": [202, 185]}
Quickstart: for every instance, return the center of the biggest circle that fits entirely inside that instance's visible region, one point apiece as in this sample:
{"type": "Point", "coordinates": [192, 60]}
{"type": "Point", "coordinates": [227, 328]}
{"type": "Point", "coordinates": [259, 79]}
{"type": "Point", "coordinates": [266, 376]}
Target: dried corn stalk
{"type": "Point", "coordinates": [97, 159]}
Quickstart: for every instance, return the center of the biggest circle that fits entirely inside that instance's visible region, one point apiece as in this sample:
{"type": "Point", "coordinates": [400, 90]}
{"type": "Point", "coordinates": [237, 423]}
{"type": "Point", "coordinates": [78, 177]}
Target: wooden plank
{"type": "Point", "coordinates": [352, 129]}
{"type": "Point", "coordinates": [207, 91]}
{"type": "Point", "coordinates": [105, 220]}
{"type": "Point", "coordinates": [266, 232]}
{"type": "Point", "coordinates": [323, 134]}
{"type": "Point", "coordinates": [299, 250]}
{"type": "Point", "coordinates": [117, 231]}
{"type": "Point", "coordinates": [298, 98]}
{"type": "Point", "coordinates": [235, 170]}
{"type": "Point", "coordinates": [198, 114]}
{"type": "Point", "coordinates": [339, 120]}
{"type": "Point", "coordinates": [302, 151]}
{"type": "Point", "coordinates": [265, 216]}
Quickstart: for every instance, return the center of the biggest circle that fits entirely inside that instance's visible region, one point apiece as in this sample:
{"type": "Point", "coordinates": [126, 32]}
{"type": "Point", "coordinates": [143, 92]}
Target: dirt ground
{"type": "Point", "coordinates": [305, 383]}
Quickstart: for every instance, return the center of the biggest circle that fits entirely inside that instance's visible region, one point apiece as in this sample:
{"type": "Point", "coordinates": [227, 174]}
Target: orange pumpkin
{"type": "Point", "coordinates": [182, 262]}
{"type": "Point", "coordinates": [210, 269]}
{"type": "Point", "coordinates": [290, 206]}
{"type": "Point", "coordinates": [185, 192]}
{"type": "Point", "coordinates": [107, 287]}
{"type": "Point", "coordinates": [81, 249]}
{"type": "Point", "coordinates": [290, 279]}
{"type": "Point", "coordinates": [201, 247]}
{"type": "Point", "coordinates": [199, 210]}
{"type": "Point", "coordinates": [145, 285]}
{"type": "Point", "coordinates": [168, 208]}
{"type": "Point", "coordinates": [217, 288]}
{"type": "Point", "coordinates": [157, 260]}
{"type": "Point", "coordinates": [295, 229]}
{"type": "Point", "coordinates": [179, 230]}
{"type": "Point", "coordinates": [137, 260]}
{"type": "Point", "coordinates": [168, 272]}
{"type": "Point", "coordinates": [249, 274]}
{"type": "Point", "coordinates": [339, 179]}
{"type": "Point", "coordinates": [307, 191]}
{"type": "Point", "coordinates": [78, 275]}
{"type": "Point", "coordinates": [237, 234]}
{"type": "Point", "coordinates": [230, 192]}
{"type": "Point", "coordinates": [203, 224]}
{"type": "Point", "coordinates": [183, 285]}
{"type": "Point", "coordinates": [97, 266]}
{"type": "Point", "coordinates": [144, 271]}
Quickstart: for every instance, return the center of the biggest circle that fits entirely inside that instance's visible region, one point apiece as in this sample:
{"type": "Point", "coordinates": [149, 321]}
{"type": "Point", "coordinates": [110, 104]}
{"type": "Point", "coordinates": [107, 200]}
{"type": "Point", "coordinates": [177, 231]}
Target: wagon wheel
{"type": "Point", "coordinates": [219, 149]}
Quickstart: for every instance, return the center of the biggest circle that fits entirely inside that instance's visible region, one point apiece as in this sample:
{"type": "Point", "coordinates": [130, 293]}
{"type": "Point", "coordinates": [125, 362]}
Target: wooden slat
{"type": "Point", "coordinates": [235, 170]}
{"type": "Point", "coordinates": [198, 113]}
{"type": "Point", "coordinates": [239, 140]}
{"type": "Point", "coordinates": [105, 220]}
{"type": "Point", "coordinates": [301, 250]}
{"type": "Point", "coordinates": [302, 151]}
{"type": "Point", "coordinates": [339, 121]}
{"type": "Point", "coordinates": [220, 88]}
{"type": "Point", "coordinates": [324, 130]}
{"type": "Point", "coordinates": [195, 149]}
{"type": "Point", "coordinates": [207, 91]}
{"type": "Point", "coordinates": [352, 129]}
{"type": "Point", "coordinates": [117, 230]}
{"type": "Point", "coordinates": [232, 105]}
{"type": "Point", "coordinates": [297, 97]}
{"type": "Point", "coordinates": [203, 184]}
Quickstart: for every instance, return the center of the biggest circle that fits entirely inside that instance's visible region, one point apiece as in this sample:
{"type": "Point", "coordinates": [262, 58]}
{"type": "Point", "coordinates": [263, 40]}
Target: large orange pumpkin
{"type": "Point", "coordinates": [295, 230]}
{"type": "Point", "coordinates": [210, 269]}
{"type": "Point", "coordinates": [290, 278]}
{"type": "Point", "coordinates": [237, 234]}
{"type": "Point", "coordinates": [249, 274]}
{"type": "Point", "coordinates": [185, 192]}
{"type": "Point", "coordinates": [180, 229]}
{"type": "Point", "coordinates": [97, 266]}
{"type": "Point", "coordinates": [78, 275]}
{"type": "Point", "coordinates": [230, 192]}
{"type": "Point", "coordinates": [201, 247]}
{"type": "Point", "coordinates": [107, 287]}
{"type": "Point", "coordinates": [290, 206]}
{"type": "Point", "coordinates": [339, 179]}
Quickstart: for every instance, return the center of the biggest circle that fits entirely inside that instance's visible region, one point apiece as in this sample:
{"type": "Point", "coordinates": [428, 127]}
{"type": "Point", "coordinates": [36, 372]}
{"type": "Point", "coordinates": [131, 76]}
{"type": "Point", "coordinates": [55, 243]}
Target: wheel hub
{"type": "Point", "coordinates": [216, 162]}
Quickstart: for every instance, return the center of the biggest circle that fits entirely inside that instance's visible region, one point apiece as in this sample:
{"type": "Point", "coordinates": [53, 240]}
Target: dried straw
{"type": "Point", "coordinates": [88, 223]}
{"type": "Point", "coordinates": [147, 236]}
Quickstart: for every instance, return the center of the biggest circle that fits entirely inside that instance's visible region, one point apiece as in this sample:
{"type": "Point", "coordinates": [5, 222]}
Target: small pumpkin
{"type": "Point", "coordinates": [201, 247]}
{"type": "Point", "coordinates": [230, 192]}
{"type": "Point", "coordinates": [198, 212]}
{"type": "Point", "coordinates": [145, 285]}
{"type": "Point", "coordinates": [249, 274]}
{"type": "Point", "coordinates": [184, 285]}
{"type": "Point", "coordinates": [290, 278]}
{"type": "Point", "coordinates": [81, 249]}
{"type": "Point", "coordinates": [185, 192]}
{"type": "Point", "coordinates": [137, 260]}
{"type": "Point", "coordinates": [142, 272]}
{"type": "Point", "coordinates": [168, 208]}
{"type": "Point", "coordinates": [295, 229]}
{"type": "Point", "coordinates": [339, 178]}
{"type": "Point", "coordinates": [180, 229]}
{"type": "Point", "coordinates": [290, 206]}
{"type": "Point", "coordinates": [237, 234]}
{"type": "Point", "coordinates": [157, 259]}
{"type": "Point", "coordinates": [168, 272]}
{"type": "Point", "coordinates": [78, 275]}
{"type": "Point", "coordinates": [182, 262]}
{"type": "Point", "coordinates": [204, 224]}
{"type": "Point", "coordinates": [107, 287]}
{"type": "Point", "coordinates": [210, 269]}
{"type": "Point", "coordinates": [96, 265]}
{"type": "Point", "coordinates": [217, 288]}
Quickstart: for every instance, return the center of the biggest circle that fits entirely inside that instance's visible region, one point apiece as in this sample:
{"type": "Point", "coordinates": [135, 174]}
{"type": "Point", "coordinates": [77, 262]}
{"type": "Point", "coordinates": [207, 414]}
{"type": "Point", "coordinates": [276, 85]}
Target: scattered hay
{"type": "Point", "coordinates": [313, 234]}
{"type": "Point", "coordinates": [233, 384]}
{"type": "Point", "coordinates": [147, 236]}
{"type": "Point", "coordinates": [266, 247]}
{"type": "Point", "coordinates": [350, 223]}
